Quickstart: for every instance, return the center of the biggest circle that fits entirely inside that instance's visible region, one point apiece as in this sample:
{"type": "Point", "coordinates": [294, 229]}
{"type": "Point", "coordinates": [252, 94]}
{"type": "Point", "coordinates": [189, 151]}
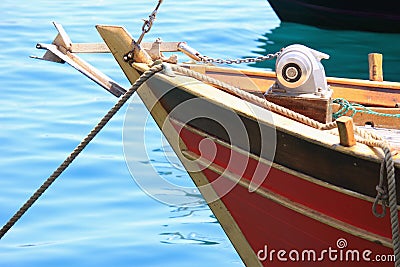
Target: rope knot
{"type": "Point", "coordinates": [383, 197]}
{"type": "Point", "coordinates": [382, 194]}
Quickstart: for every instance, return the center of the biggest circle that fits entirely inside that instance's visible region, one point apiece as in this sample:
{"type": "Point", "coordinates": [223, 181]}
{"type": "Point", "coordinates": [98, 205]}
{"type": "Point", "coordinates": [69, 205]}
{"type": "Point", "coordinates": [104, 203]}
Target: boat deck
{"type": "Point", "coordinates": [390, 135]}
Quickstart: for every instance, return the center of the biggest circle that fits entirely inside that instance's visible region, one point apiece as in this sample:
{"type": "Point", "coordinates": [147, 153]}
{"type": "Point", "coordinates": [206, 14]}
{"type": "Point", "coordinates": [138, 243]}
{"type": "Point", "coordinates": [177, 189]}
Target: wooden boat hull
{"type": "Point", "coordinates": [273, 183]}
{"type": "Point", "coordinates": [345, 15]}
{"type": "Point", "coordinates": [307, 200]}
{"type": "Point", "coordinates": [283, 191]}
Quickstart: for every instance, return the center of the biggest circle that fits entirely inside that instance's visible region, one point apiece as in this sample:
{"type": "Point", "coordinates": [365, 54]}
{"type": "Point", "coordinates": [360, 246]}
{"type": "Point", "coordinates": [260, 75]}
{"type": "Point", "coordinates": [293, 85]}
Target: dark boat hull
{"type": "Point", "coordinates": [348, 15]}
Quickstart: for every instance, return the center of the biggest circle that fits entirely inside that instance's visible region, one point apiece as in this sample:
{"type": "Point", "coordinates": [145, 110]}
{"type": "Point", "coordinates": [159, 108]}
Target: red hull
{"type": "Point", "coordinates": [269, 226]}
{"type": "Point", "coordinates": [293, 214]}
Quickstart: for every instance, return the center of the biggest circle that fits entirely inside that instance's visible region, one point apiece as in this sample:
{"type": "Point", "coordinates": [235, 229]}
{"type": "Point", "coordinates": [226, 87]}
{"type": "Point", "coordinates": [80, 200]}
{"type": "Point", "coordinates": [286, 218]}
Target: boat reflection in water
{"type": "Point", "coordinates": [348, 50]}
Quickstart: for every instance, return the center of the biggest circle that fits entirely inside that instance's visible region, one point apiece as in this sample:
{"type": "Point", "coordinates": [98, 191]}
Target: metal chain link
{"type": "Point", "coordinates": [148, 23]}
{"type": "Point", "coordinates": [207, 59]}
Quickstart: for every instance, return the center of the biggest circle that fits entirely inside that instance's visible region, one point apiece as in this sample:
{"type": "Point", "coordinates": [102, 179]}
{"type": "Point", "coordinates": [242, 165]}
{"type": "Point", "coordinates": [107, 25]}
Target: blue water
{"type": "Point", "coordinates": [95, 214]}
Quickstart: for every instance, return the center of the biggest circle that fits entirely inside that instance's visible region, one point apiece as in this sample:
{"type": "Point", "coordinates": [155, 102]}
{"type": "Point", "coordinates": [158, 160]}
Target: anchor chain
{"type": "Point", "coordinates": [148, 23]}
{"type": "Point", "coordinates": [143, 78]}
{"type": "Point", "coordinates": [271, 56]}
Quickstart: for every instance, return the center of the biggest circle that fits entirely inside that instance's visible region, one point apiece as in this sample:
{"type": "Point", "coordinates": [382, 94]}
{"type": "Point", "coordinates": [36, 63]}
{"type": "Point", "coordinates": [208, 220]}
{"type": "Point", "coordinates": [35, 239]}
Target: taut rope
{"type": "Point", "coordinates": [143, 78]}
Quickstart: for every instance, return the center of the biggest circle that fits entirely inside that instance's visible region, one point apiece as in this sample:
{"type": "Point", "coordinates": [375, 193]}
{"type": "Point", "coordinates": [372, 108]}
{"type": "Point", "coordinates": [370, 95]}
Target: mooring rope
{"type": "Point", "coordinates": [350, 109]}
{"type": "Point", "coordinates": [143, 78]}
{"type": "Point", "coordinates": [255, 99]}
{"type": "Point", "coordinates": [363, 136]}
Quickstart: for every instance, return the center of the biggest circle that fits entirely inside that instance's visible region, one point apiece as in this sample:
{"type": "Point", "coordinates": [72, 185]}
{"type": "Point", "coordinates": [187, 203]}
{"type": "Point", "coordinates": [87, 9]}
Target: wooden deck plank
{"type": "Point", "coordinates": [372, 93]}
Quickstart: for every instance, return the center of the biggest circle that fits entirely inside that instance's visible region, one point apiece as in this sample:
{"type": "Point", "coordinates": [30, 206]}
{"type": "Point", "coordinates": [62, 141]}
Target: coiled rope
{"type": "Point", "coordinates": [363, 136]}
{"type": "Point", "coordinates": [143, 78]}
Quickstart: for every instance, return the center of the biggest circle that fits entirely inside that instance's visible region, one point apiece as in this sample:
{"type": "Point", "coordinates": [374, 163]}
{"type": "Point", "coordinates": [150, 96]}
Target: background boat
{"type": "Point", "coordinates": [348, 50]}
{"type": "Point", "coordinates": [344, 15]}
